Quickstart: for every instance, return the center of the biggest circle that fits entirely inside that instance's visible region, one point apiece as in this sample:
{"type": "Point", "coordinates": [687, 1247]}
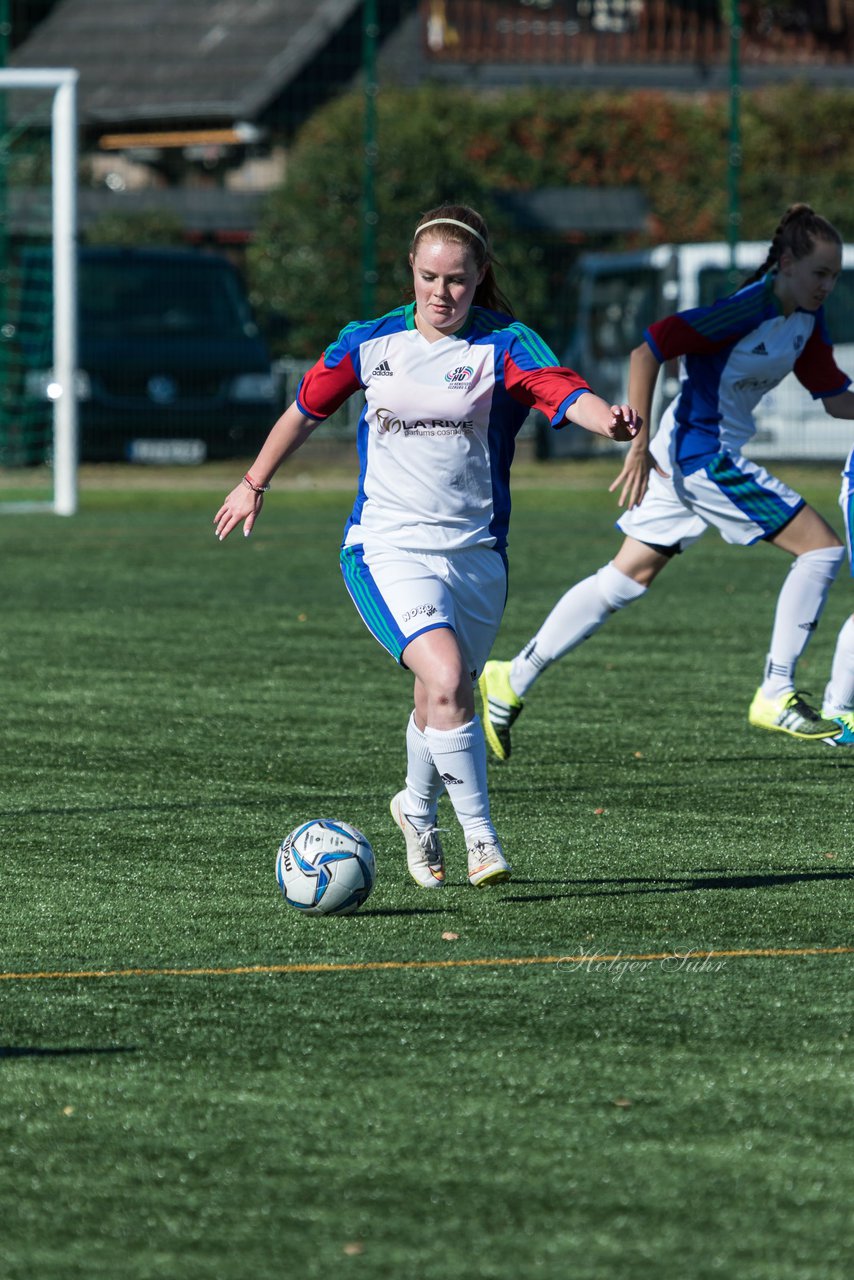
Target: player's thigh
{"type": "Point", "coordinates": [401, 595]}
{"type": "Point", "coordinates": [742, 500]}
{"type": "Point", "coordinates": [477, 579]}
{"type": "Point", "coordinates": [806, 531]}
{"type": "Point", "coordinates": [397, 594]}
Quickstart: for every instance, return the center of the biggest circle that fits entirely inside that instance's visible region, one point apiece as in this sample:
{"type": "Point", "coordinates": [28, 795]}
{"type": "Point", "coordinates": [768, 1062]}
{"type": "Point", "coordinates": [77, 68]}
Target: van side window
{"type": "Point", "coordinates": [839, 309]}
{"type": "Point", "coordinates": [621, 308]}
{"type": "Point", "coordinates": [717, 282]}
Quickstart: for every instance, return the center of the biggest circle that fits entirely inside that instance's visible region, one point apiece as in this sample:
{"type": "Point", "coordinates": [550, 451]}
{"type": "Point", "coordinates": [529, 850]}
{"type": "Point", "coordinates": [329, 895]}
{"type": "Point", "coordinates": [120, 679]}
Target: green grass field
{"type": "Point", "coordinates": [198, 1082]}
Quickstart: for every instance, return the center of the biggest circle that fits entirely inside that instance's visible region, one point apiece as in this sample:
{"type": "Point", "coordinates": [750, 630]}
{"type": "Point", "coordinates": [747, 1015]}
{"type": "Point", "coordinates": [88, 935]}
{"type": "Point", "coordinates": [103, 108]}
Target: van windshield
{"type": "Point", "coordinates": [160, 298]}
{"type": "Point", "coordinates": [717, 282]}
{"type": "Point", "coordinates": [622, 305]}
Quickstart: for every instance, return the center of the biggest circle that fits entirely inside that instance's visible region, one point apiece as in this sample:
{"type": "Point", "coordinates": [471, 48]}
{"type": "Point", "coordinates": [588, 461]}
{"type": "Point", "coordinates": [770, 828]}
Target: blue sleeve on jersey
{"type": "Point", "coordinates": [653, 345]}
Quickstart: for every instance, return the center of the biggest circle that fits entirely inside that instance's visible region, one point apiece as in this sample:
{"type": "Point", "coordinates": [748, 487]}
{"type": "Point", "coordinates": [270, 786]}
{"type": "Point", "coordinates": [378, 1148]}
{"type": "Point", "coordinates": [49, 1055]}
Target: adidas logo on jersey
{"type": "Point", "coordinates": [761, 350]}
{"type": "Point", "coordinates": [383, 370]}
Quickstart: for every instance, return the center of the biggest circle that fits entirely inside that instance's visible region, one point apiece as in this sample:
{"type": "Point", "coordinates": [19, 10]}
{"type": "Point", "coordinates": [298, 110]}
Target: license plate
{"type": "Point", "coordinates": [179, 452]}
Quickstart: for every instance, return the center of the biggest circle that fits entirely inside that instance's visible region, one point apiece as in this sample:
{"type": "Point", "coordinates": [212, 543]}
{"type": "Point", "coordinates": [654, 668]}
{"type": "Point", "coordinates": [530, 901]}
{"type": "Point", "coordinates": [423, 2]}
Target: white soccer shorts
{"type": "Point", "coordinates": [401, 594]}
{"type": "Point", "coordinates": [742, 500]}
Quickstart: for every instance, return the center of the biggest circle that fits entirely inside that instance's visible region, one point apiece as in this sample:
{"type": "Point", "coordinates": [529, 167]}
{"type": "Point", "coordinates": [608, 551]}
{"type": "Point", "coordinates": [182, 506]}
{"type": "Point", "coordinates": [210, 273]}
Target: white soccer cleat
{"type": "Point", "coordinates": [424, 855]}
{"type": "Point", "coordinates": [487, 864]}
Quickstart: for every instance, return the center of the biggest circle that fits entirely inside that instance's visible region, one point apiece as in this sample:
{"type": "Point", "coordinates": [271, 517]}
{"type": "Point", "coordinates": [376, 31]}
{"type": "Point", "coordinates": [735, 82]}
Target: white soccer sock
{"type": "Point", "coordinates": [423, 784]}
{"type": "Point", "coordinates": [799, 608]}
{"type": "Point", "coordinates": [839, 694]}
{"type": "Point", "coordinates": [575, 617]}
{"type": "Point", "coordinates": [460, 757]}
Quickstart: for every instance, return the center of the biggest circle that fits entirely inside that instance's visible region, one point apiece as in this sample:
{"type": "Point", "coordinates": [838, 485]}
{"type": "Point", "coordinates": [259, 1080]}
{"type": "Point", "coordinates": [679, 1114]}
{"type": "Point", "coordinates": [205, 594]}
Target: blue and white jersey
{"type": "Point", "coordinates": [732, 353]}
{"type": "Point", "coordinates": [437, 435]}
{"type": "Point", "coordinates": [846, 503]}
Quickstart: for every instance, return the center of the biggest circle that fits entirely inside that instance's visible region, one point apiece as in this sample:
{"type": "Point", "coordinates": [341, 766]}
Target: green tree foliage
{"type": "Point", "coordinates": [437, 144]}
{"type": "Point", "coordinates": [306, 260]}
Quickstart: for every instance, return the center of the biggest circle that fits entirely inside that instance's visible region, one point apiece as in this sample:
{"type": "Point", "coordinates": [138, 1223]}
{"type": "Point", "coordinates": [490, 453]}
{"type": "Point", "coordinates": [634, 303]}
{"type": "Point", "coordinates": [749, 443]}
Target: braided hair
{"type": "Point", "coordinates": [799, 229]}
{"type": "Point", "coordinates": [459, 224]}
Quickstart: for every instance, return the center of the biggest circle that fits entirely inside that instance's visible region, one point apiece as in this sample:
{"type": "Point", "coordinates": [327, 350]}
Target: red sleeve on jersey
{"type": "Point", "coordinates": [817, 369]}
{"type": "Point", "coordinates": [548, 390]}
{"type": "Point", "coordinates": [324, 389]}
{"type": "Point", "coordinates": [674, 336]}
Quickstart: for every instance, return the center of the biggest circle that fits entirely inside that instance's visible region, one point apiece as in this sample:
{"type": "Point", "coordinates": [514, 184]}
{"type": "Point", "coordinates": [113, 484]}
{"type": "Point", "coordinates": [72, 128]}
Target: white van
{"type": "Point", "coordinates": [619, 294]}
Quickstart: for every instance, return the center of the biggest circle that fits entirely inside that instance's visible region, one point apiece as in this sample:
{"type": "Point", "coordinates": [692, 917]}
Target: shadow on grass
{"type": "Point", "coordinates": [31, 1051]}
{"type": "Point", "coordinates": [403, 911]}
{"type": "Point", "coordinates": [635, 885]}
{"type": "Point", "coordinates": [88, 810]}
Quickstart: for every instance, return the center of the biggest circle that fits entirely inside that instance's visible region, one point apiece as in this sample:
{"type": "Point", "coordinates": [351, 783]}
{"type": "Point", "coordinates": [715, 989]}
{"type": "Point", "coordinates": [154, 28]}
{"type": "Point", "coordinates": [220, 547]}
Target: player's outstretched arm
{"type": "Point", "coordinates": [616, 421]}
{"type": "Point", "coordinates": [246, 499]}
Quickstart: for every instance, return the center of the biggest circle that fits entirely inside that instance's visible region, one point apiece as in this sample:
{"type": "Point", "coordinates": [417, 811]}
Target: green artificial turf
{"type": "Point", "coordinates": [523, 1081]}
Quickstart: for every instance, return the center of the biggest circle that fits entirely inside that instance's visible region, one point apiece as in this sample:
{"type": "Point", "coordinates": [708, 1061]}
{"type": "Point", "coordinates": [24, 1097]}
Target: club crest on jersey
{"type": "Point", "coordinates": [460, 377]}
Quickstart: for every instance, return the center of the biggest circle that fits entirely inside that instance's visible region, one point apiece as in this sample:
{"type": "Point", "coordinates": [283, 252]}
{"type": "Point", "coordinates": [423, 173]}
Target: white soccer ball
{"type": "Point", "coordinates": [325, 868]}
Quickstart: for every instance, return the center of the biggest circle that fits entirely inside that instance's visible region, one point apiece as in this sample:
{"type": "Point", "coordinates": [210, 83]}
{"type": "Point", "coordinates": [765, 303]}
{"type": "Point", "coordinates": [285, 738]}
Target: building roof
{"type": "Point", "coordinates": [173, 63]}
{"type": "Point", "coordinates": [565, 211]}
{"type": "Point", "coordinates": [146, 61]}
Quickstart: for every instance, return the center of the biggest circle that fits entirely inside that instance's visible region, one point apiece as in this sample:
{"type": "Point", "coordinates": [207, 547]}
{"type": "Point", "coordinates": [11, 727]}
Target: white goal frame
{"type": "Point", "coordinates": [63, 82]}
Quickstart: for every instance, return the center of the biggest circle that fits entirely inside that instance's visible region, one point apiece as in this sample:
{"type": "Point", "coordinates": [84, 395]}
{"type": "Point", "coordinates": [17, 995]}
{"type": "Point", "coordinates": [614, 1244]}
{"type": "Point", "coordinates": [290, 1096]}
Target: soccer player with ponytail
{"type": "Point", "coordinates": [839, 694]}
{"type": "Point", "coordinates": [694, 476]}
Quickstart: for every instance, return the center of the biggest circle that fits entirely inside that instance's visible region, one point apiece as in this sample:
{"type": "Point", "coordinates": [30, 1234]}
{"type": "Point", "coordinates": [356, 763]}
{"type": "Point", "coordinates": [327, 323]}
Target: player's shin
{"type": "Point", "coordinates": [576, 616]}
{"type": "Point", "coordinates": [799, 608]}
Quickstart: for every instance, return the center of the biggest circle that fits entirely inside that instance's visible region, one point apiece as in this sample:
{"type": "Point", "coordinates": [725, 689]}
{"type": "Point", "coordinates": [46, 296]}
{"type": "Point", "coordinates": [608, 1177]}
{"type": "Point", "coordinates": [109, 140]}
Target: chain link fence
{"type": "Point", "coordinates": [185, 145]}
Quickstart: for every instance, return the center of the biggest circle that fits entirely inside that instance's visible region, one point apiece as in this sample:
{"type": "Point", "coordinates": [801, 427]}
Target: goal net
{"type": "Point", "coordinates": [38, 311]}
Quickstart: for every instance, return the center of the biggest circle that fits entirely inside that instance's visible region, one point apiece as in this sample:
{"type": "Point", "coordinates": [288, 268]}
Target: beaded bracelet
{"type": "Point", "coordinates": [256, 488]}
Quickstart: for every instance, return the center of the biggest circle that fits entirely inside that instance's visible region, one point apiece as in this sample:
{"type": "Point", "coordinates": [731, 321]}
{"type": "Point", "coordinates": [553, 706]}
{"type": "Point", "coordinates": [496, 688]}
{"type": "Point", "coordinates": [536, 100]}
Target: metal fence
{"type": "Point", "coordinates": [599, 33]}
{"type": "Point", "coordinates": [187, 156]}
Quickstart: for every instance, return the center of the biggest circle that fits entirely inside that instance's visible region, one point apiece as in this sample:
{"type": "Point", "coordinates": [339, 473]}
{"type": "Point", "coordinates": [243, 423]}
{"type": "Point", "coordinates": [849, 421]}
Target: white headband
{"type": "Point", "coordinates": [454, 222]}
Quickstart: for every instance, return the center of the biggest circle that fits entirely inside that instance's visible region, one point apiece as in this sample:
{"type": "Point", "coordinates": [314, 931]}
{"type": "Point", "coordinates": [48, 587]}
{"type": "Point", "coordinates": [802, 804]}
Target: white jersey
{"type": "Point", "coordinates": [733, 352]}
{"type": "Point", "coordinates": [437, 434]}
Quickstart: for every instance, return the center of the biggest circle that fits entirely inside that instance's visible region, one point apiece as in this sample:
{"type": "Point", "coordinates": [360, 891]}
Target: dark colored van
{"type": "Point", "coordinates": [172, 367]}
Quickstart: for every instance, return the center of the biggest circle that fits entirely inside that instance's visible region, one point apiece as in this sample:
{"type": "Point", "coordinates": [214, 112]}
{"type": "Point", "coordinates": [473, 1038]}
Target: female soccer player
{"type": "Point", "coordinates": [839, 695]}
{"type": "Point", "coordinates": [448, 379]}
{"type": "Point", "coordinates": [695, 475]}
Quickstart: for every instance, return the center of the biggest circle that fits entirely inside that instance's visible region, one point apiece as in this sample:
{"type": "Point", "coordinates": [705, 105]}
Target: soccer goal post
{"type": "Point", "coordinates": [39, 423]}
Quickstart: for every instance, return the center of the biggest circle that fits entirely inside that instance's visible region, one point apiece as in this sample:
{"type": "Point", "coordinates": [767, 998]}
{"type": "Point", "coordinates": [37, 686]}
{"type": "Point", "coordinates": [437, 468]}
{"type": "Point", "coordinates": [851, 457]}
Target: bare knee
{"type": "Point", "coordinates": [640, 561]}
{"type": "Point", "coordinates": [450, 691]}
{"type": "Point", "coordinates": [444, 693]}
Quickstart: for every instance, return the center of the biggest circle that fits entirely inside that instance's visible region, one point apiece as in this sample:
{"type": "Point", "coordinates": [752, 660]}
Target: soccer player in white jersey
{"type": "Point", "coordinates": [448, 381]}
{"type": "Point", "coordinates": [839, 695]}
{"type": "Point", "coordinates": [694, 476]}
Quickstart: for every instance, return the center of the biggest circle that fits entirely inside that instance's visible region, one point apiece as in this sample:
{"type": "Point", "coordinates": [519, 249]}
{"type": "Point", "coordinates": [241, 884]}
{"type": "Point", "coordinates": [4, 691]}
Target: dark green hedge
{"type": "Point", "coordinates": [436, 144]}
